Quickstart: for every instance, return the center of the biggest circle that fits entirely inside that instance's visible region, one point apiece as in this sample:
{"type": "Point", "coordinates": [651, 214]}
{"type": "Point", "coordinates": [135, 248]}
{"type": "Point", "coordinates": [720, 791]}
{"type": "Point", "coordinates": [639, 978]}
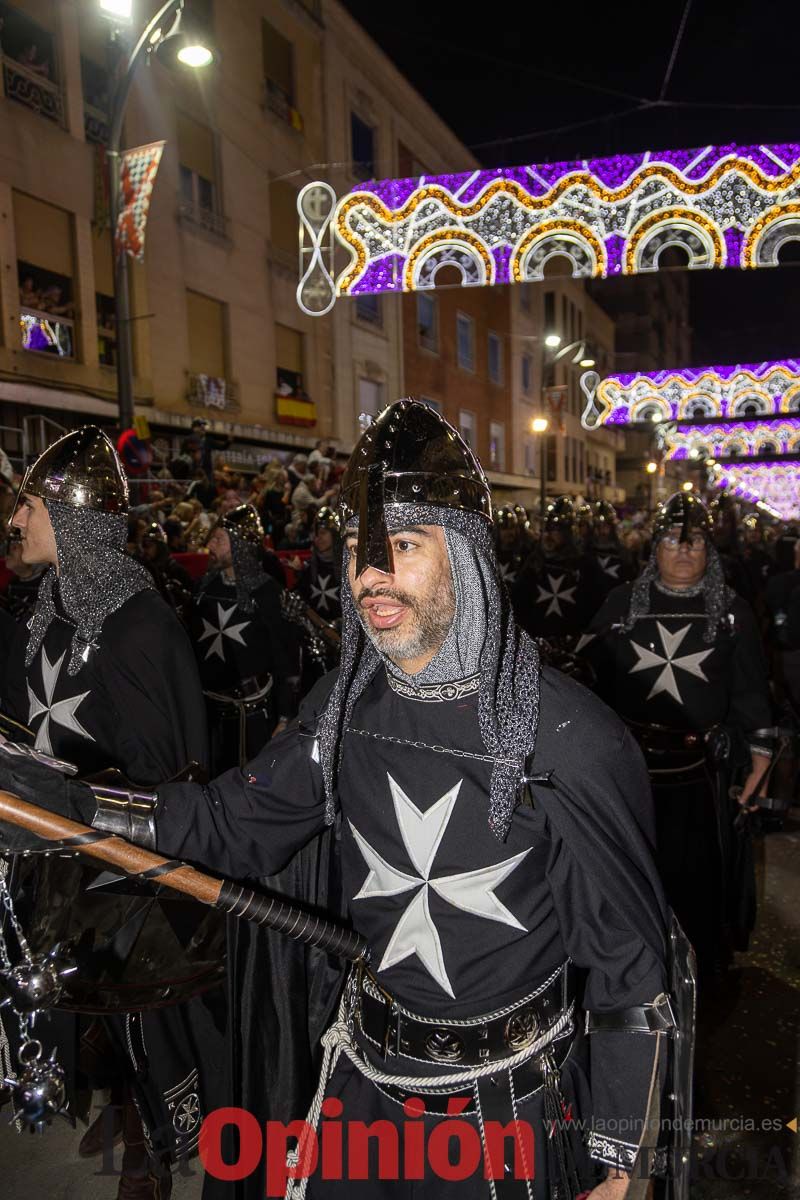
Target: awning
{"type": "Point", "coordinates": [34, 395]}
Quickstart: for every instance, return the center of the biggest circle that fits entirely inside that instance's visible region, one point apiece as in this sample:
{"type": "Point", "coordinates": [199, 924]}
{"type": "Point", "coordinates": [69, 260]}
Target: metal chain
{"type": "Point", "coordinates": [385, 737]}
{"type": "Point", "coordinates": [8, 904]}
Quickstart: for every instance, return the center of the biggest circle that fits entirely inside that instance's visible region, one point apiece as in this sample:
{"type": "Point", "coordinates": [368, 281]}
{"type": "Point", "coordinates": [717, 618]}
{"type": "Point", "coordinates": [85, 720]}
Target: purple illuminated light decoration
{"type": "Point", "coordinates": [724, 206]}
{"type": "Point", "coordinates": [739, 392]}
{"type": "Point", "coordinates": [741, 438]}
{"type": "Point", "coordinates": [773, 486]}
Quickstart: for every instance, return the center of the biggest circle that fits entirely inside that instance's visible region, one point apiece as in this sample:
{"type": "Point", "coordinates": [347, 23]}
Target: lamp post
{"type": "Point", "coordinates": [191, 53]}
{"type": "Point", "coordinates": [539, 425]}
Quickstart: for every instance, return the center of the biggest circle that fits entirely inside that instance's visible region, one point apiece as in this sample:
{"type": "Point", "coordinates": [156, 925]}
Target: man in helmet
{"type": "Point", "coordinates": [612, 561]}
{"type": "Point", "coordinates": [508, 544]}
{"type": "Point", "coordinates": [245, 653]}
{"type": "Point", "coordinates": [172, 580]}
{"type": "Point", "coordinates": [319, 580]}
{"type": "Point", "coordinates": [678, 655]}
{"type": "Point", "coordinates": [494, 830]}
{"type": "Point", "coordinates": [554, 592]}
{"type": "Point", "coordinates": [757, 562]}
{"type": "Point", "coordinates": [104, 676]}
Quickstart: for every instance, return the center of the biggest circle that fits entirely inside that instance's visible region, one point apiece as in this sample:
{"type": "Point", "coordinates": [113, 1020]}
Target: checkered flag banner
{"type": "Point", "coordinates": [137, 175]}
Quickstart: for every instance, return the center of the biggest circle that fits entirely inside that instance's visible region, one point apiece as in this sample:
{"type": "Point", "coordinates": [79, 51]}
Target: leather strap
{"type": "Point", "coordinates": [473, 1042]}
{"type": "Point", "coordinates": [657, 1017]}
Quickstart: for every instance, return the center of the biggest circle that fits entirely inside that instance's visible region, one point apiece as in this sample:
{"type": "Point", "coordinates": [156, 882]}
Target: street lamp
{"type": "Point", "coordinates": [190, 50]}
{"type": "Point", "coordinates": [651, 468]}
{"type": "Point", "coordinates": [552, 341]}
{"type": "Point", "coordinates": [539, 425]}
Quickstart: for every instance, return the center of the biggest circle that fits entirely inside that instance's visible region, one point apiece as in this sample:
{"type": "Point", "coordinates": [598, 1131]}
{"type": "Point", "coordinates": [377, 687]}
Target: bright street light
{"type": "Point", "coordinates": [553, 341]}
{"type": "Point", "coordinates": [687, 487]}
{"type": "Point", "coordinates": [539, 424]}
{"type": "Point", "coordinates": [586, 363]}
{"type": "Point", "coordinates": [651, 468]}
{"type": "Point", "coordinates": [195, 55]}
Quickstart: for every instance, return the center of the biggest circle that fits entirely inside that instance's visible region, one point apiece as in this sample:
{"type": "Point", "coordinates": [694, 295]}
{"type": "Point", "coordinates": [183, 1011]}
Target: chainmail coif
{"type": "Point", "coordinates": [716, 593]}
{"type": "Point", "coordinates": [95, 577]}
{"type": "Point", "coordinates": [248, 571]}
{"type": "Point", "coordinates": [508, 659]}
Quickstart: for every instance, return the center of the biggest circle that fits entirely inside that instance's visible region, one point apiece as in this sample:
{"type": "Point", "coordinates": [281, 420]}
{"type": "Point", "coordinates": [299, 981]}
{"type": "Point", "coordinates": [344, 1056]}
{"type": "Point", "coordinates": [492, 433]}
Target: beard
{"type": "Point", "coordinates": [431, 617]}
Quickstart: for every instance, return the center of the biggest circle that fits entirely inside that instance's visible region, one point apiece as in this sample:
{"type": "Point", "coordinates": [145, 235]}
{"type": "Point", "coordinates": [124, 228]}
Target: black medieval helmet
{"type": "Point", "coordinates": [326, 518]}
{"type": "Point", "coordinates": [505, 517]}
{"type": "Point", "coordinates": [522, 516]}
{"type": "Point", "coordinates": [560, 514]}
{"type": "Point", "coordinates": [686, 510]}
{"type": "Point", "coordinates": [245, 523]}
{"type": "Point", "coordinates": [604, 513]}
{"type": "Point", "coordinates": [83, 470]}
{"type": "Point", "coordinates": [408, 455]}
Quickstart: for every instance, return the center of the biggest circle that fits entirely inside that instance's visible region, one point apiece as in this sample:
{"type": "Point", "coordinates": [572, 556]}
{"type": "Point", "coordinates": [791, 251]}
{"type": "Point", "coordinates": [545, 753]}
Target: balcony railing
{"type": "Point", "coordinates": [47, 334]}
{"type": "Point", "coordinates": [210, 391]}
{"type": "Point", "coordinates": [278, 102]}
{"type": "Point", "coordinates": [207, 219]}
{"type": "Point", "coordinates": [95, 124]}
{"type": "Point", "coordinates": [33, 90]}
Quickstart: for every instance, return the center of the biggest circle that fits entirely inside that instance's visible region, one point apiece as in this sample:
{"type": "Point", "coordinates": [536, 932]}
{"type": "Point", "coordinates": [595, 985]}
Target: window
{"type": "Point", "coordinates": [368, 309]}
{"type": "Point", "coordinates": [96, 105]}
{"type": "Point", "coordinates": [466, 427]}
{"type": "Point", "coordinates": [567, 468]}
{"type": "Point", "coordinates": [549, 312]}
{"type": "Point", "coordinates": [277, 54]}
{"type": "Point", "coordinates": [198, 173]}
{"type": "Point", "coordinates": [551, 458]}
{"type": "Point", "coordinates": [526, 372]}
{"type": "Point", "coordinates": [104, 298]}
{"type": "Point", "coordinates": [207, 353]}
{"type": "Point", "coordinates": [370, 397]}
{"type": "Point", "coordinates": [525, 297]}
{"type": "Point", "coordinates": [362, 139]}
{"type": "Point", "coordinates": [465, 342]}
{"type": "Point", "coordinates": [30, 64]}
{"type": "Point", "coordinates": [495, 358]}
{"type": "Point", "coordinates": [283, 221]}
{"type": "Point", "coordinates": [427, 322]}
{"type": "Point", "coordinates": [289, 361]}
{"type": "Point", "coordinates": [497, 445]}
{"type": "Point", "coordinates": [436, 405]}
{"type": "Point", "coordinates": [532, 452]}
{"type": "Point", "coordinates": [44, 272]}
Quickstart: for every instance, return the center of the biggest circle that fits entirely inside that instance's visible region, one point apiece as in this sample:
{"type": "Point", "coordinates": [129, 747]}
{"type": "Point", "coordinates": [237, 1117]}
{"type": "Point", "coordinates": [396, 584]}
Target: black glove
{"type": "Point", "coordinates": [31, 780]}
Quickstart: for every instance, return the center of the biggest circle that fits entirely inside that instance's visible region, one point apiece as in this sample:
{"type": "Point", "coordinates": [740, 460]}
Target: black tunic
{"type": "Point", "coordinates": [458, 922]}
{"type": "Point", "coordinates": [554, 597]}
{"type": "Point", "coordinates": [318, 583]}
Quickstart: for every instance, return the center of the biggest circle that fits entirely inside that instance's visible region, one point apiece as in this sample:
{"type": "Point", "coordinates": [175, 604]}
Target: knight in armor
{"type": "Point", "coordinates": [509, 547]}
{"type": "Point", "coordinates": [496, 849]}
{"type": "Point", "coordinates": [319, 580]}
{"type": "Point", "coordinates": [172, 580]}
{"type": "Point", "coordinates": [555, 589]}
{"type": "Point", "coordinates": [584, 522]}
{"type": "Point", "coordinates": [246, 655]}
{"type": "Point", "coordinates": [678, 654]}
{"type": "Point", "coordinates": [723, 511]}
{"type": "Point", "coordinates": [104, 676]}
{"type": "Point", "coordinates": [757, 562]}
{"type": "Point", "coordinates": [613, 565]}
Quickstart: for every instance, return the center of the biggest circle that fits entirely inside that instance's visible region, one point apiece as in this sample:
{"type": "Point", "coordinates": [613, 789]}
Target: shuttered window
{"type": "Point", "coordinates": [43, 234]}
{"type": "Point", "coordinates": [206, 319]}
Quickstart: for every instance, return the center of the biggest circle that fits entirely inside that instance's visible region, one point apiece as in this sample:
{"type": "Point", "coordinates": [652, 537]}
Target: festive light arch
{"type": "Point", "coordinates": [775, 487]}
{"type": "Point", "coordinates": [724, 206]}
{"type": "Point", "coordinates": [744, 391]}
{"type": "Point", "coordinates": [744, 438]}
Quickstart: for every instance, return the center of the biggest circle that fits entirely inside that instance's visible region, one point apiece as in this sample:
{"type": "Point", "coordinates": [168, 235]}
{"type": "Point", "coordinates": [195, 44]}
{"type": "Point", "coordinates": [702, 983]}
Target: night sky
{"type": "Point", "coordinates": [543, 83]}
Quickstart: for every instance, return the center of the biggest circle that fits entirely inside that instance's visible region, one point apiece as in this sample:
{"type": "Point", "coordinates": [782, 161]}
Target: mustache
{"type": "Point", "coordinates": [386, 594]}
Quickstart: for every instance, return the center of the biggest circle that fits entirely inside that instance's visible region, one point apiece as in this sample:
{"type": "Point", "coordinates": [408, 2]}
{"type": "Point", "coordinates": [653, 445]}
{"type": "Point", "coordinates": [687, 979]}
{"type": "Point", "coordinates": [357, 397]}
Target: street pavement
{"type": "Point", "coordinates": [748, 1076]}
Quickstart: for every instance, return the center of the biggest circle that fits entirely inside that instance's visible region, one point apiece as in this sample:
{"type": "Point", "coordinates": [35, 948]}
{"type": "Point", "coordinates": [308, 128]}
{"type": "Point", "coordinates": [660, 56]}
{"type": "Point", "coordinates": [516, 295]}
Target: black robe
{"type": "Point", "coordinates": [137, 705]}
{"type": "Point", "coordinates": [662, 673]}
{"type": "Point", "coordinates": [554, 596]}
{"type": "Point", "coordinates": [575, 877]}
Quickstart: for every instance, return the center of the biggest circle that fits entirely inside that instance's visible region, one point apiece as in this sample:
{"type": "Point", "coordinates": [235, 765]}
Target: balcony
{"type": "Point", "coordinates": [45, 333]}
{"type": "Point", "coordinates": [30, 87]}
{"type": "Point", "coordinates": [212, 392]}
{"type": "Point", "coordinates": [198, 216]}
{"type": "Point", "coordinates": [96, 125]}
{"type": "Point", "coordinates": [279, 103]}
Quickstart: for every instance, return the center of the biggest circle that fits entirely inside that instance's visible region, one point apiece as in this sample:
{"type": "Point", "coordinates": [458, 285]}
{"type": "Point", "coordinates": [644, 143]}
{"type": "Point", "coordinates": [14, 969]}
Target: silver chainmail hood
{"type": "Point", "coordinates": [483, 637]}
{"type": "Point", "coordinates": [716, 593]}
{"type": "Point", "coordinates": [248, 571]}
{"type": "Point", "coordinates": [95, 577]}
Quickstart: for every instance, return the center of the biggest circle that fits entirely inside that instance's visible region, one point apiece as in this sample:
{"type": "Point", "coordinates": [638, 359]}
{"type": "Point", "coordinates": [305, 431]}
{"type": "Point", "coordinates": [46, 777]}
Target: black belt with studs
{"type": "Point", "coordinates": [474, 1041]}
